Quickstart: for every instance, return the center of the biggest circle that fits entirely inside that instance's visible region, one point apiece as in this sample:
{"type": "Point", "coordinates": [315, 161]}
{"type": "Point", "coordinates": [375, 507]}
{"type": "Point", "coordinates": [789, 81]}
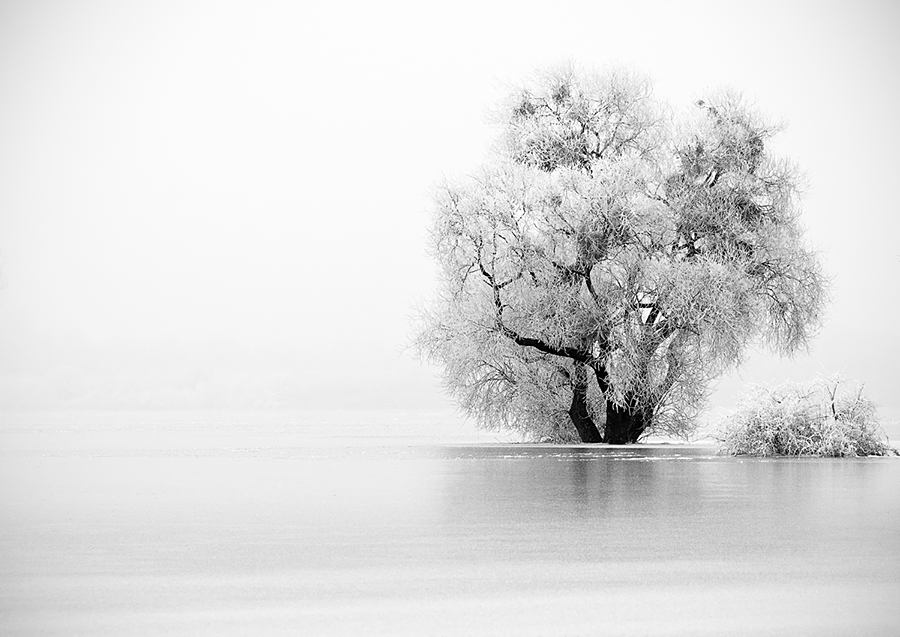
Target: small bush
{"type": "Point", "coordinates": [817, 419]}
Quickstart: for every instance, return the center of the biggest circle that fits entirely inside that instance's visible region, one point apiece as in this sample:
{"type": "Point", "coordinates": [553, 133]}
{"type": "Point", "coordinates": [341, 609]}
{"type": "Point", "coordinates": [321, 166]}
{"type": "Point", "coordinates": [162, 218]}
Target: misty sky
{"type": "Point", "coordinates": [225, 204]}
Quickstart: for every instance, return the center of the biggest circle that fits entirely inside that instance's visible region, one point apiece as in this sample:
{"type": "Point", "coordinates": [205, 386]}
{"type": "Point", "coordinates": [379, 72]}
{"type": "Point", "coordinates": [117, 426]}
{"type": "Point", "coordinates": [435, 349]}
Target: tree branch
{"type": "Point", "coordinates": [574, 353]}
{"type": "Point", "coordinates": [525, 341]}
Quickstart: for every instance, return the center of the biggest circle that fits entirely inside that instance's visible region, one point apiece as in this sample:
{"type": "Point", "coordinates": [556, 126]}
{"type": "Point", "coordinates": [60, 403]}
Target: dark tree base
{"type": "Point", "coordinates": [582, 420]}
{"type": "Point", "coordinates": [622, 425]}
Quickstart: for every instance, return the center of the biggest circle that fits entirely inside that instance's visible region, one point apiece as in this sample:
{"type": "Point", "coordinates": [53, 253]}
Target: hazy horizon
{"type": "Point", "coordinates": [225, 205]}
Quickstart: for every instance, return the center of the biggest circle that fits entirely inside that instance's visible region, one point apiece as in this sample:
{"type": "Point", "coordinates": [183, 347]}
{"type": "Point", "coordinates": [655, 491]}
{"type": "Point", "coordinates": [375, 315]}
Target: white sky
{"type": "Point", "coordinates": [225, 204]}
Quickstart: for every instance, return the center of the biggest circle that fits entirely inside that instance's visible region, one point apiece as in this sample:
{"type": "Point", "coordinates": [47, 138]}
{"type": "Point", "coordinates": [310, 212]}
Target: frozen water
{"type": "Point", "coordinates": [216, 527]}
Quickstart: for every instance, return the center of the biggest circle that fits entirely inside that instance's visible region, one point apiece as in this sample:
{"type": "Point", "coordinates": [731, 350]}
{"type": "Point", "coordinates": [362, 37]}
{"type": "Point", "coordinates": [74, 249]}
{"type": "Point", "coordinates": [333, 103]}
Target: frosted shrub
{"type": "Point", "coordinates": [822, 418]}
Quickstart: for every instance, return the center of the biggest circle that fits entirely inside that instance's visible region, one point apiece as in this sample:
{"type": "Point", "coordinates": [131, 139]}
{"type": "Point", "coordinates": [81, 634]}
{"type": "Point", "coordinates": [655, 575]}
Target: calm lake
{"type": "Point", "coordinates": [204, 527]}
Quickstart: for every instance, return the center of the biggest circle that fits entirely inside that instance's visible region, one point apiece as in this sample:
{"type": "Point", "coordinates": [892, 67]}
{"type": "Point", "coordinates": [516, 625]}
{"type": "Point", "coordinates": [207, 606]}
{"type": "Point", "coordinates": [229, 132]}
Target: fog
{"type": "Point", "coordinates": [226, 204]}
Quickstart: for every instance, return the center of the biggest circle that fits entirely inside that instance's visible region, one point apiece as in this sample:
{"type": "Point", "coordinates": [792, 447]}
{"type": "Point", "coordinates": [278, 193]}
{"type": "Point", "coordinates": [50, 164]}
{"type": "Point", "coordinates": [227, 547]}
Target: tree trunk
{"type": "Point", "coordinates": [578, 411]}
{"type": "Point", "coordinates": [623, 425]}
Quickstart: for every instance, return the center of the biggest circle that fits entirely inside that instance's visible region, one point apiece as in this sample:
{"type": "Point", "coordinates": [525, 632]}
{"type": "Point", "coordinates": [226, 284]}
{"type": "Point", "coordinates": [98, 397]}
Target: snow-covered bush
{"type": "Point", "coordinates": [822, 418]}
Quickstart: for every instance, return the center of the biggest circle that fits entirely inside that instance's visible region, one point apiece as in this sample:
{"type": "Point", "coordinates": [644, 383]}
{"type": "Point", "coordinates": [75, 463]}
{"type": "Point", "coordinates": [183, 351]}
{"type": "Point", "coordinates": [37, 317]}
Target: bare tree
{"type": "Point", "coordinates": [613, 258]}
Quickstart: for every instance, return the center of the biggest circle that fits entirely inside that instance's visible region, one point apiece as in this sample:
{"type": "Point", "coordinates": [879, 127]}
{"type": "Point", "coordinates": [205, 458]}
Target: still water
{"type": "Point", "coordinates": [215, 529]}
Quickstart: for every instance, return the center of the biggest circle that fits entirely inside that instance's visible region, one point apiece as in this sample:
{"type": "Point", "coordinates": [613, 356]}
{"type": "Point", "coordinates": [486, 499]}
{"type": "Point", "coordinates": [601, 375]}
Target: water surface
{"type": "Point", "coordinates": [206, 528]}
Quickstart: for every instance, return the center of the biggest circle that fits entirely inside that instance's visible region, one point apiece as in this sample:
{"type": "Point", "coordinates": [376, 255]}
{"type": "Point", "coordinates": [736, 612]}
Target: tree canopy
{"type": "Point", "coordinates": [614, 256]}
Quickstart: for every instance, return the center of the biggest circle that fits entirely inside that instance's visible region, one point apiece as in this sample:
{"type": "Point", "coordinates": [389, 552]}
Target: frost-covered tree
{"type": "Point", "coordinates": [614, 257]}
